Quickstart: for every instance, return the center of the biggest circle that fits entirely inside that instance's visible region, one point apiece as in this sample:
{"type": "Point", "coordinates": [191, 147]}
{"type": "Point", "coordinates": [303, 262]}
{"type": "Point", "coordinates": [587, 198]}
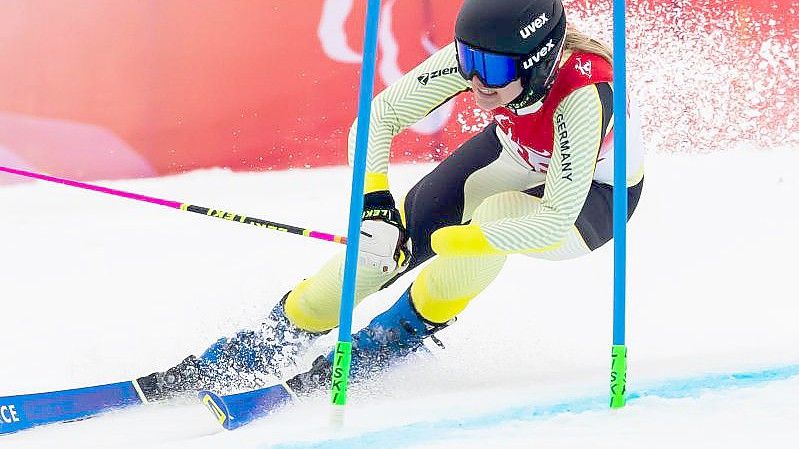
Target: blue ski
{"type": "Point", "coordinates": [235, 410]}
{"type": "Point", "coordinates": [29, 410]}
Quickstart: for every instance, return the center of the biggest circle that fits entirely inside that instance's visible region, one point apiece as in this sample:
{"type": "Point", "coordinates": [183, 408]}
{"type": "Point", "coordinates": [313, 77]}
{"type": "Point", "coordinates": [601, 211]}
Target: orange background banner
{"type": "Point", "coordinates": [124, 88]}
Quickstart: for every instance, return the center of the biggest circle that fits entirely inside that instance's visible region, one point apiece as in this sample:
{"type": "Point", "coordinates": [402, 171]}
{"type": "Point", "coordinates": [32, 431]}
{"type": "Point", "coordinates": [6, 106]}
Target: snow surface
{"type": "Point", "coordinates": [98, 289]}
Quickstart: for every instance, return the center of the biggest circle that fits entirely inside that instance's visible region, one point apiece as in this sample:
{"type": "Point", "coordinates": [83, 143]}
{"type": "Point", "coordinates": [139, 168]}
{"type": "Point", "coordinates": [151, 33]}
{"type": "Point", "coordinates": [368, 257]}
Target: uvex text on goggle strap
{"type": "Point", "coordinates": [495, 70]}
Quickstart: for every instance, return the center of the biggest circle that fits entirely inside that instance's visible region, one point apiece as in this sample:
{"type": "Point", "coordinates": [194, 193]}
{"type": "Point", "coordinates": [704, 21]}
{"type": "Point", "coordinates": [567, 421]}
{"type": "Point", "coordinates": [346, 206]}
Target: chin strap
{"type": "Point", "coordinates": [525, 99]}
{"type": "Point", "coordinates": [528, 109]}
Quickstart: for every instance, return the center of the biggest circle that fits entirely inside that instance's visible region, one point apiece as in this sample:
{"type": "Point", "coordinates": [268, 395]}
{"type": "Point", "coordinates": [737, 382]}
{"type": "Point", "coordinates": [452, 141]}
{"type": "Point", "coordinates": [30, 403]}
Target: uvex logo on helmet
{"type": "Point", "coordinates": [536, 58]}
{"type": "Point", "coordinates": [534, 26]}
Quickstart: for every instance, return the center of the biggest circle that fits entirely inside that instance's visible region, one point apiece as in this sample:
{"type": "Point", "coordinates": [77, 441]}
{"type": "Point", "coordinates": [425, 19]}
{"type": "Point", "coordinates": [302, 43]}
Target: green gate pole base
{"type": "Point", "coordinates": [340, 381]}
{"type": "Point", "coordinates": [341, 372]}
{"type": "Point", "coordinates": [618, 376]}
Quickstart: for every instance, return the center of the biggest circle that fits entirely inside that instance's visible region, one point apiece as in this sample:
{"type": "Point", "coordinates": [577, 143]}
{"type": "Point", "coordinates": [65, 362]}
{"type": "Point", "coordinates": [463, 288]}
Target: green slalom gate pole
{"type": "Point", "coordinates": [618, 371]}
{"type": "Point", "coordinates": [343, 352]}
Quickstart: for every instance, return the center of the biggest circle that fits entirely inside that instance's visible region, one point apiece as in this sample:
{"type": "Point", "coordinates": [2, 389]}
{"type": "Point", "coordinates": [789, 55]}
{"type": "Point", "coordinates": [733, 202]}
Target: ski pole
{"type": "Point", "coordinates": [215, 213]}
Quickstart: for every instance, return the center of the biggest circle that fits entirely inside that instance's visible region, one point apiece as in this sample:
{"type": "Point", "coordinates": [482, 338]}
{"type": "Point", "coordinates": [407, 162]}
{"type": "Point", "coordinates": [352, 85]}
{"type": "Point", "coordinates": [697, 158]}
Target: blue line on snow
{"type": "Point", "coordinates": [400, 436]}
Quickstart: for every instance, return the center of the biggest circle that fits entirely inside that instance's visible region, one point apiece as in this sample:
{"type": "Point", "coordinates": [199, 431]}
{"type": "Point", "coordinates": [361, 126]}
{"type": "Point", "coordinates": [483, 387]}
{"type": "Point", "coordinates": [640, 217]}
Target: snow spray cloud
{"type": "Point", "coordinates": [709, 75]}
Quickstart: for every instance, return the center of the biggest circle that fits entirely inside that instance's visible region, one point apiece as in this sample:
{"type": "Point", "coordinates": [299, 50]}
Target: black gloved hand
{"type": "Point", "coordinates": [384, 242]}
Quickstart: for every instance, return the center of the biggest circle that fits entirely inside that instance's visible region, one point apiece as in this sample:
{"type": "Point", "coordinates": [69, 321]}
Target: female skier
{"type": "Point", "coordinates": [537, 181]}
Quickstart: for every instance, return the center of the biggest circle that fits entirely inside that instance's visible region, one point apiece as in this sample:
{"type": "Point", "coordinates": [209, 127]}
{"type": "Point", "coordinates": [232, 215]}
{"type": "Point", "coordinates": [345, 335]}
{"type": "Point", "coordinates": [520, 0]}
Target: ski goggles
{"type": "Point", "coordinates": [495, 70]}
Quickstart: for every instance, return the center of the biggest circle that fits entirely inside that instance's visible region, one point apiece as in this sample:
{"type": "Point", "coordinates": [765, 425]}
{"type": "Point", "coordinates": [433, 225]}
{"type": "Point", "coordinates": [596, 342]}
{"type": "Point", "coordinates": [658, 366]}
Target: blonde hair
{"type": "Point", "coordinates": [576, 40]}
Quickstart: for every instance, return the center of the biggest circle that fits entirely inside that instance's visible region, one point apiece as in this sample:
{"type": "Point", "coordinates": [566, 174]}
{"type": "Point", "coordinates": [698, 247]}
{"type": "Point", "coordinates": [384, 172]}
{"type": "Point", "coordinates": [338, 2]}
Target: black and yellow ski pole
{"type": "Point", "coordinates": [215, 213]}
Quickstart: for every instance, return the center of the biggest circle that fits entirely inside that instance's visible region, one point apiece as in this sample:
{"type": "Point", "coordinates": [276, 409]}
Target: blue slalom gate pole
{"type": "Point", "coordinates": [618, 372]}
{"type": "Point", "coordinates": [343, 352]}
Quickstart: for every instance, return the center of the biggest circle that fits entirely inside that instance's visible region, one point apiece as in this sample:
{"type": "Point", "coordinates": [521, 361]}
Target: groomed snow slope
{"type": "Point", "coordinates": [99, 289]}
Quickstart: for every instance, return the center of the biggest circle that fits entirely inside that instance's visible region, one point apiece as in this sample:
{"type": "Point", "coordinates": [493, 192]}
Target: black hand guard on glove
{"type": "Point", "coordinates": [380, 206]}
{"type": "Point", "coordinates": [384, 242]}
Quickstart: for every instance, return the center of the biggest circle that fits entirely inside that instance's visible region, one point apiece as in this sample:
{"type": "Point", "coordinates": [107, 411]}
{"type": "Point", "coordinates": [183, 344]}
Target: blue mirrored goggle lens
{"type": "Point", "coordinates": [493, 69]}
{"type": "Point", "coordinates": [465, 60]}
{"type": "Point", "coordinates": [499, 70]}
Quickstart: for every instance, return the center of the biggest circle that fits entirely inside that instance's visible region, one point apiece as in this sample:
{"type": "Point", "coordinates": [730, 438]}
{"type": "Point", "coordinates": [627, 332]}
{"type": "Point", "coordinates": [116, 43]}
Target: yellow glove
{"type": "Point", "coordinates": [464, 240]}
